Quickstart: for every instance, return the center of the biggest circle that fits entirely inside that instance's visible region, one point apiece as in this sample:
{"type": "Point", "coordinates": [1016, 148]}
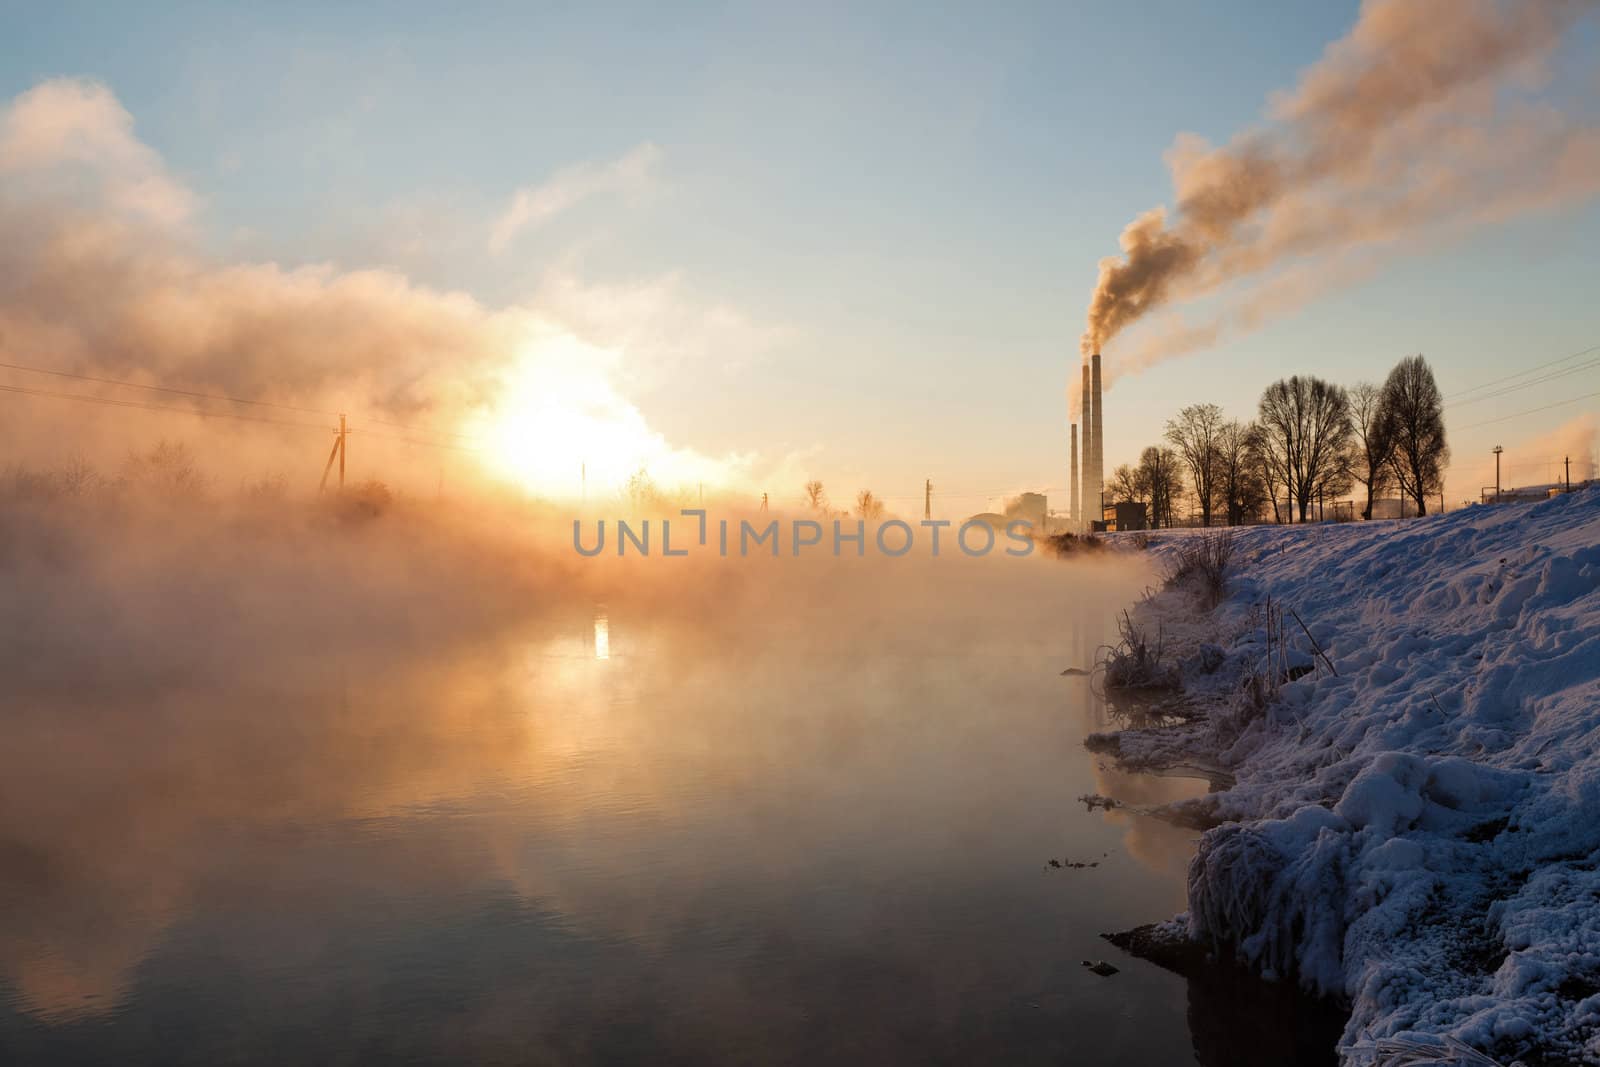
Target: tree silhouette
{"type": "Point", "coordinates": [868, 506]}
{"type": "Point", "coordinates": [1420, 449]}
{"type": "Point", "coordinates": [1194, 431]}
{"type": "Point", "coordinates": [1305, 428]}
{"type": "Point", "coordinates": [1372, 450]}
{"type": "Point", "coordinates": [1240, 488]}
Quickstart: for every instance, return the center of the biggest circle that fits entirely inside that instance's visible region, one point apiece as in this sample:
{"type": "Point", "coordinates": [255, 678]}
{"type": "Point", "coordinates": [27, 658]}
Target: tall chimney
{"type": "Point", "coordinates": [1085, 418]}
{"type": "Point", "coordinates": [1075, 501]}
{"type": "Point", "coordinates": [1099, 439]}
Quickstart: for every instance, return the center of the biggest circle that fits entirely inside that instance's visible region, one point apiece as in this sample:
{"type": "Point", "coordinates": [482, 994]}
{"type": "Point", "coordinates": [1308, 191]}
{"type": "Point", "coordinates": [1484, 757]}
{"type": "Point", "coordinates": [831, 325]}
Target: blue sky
{"type": "Point", "coordinates": [901, 206]}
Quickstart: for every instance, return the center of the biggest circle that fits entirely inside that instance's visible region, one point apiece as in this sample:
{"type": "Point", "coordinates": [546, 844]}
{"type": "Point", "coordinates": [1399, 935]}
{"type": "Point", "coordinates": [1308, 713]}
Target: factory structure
{"type": "Point", "coordinates": [1086, 509]}
{"type": "Point", "coordinates": [1088, 462]}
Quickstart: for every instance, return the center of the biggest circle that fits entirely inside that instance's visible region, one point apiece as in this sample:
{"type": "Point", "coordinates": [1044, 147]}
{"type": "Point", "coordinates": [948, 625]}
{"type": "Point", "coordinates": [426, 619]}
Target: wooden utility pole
{"type": "Point", "coordinates": [337, 452]}
{"type": "Point", "coordinates": [927, 499]}
{"type": "Point", "coordinates": [1497, 451]}
{"type": "Point", "coordinates": [763, 502]}
{"type": "Point", "coordinates": [1567, 462]}
{"type": "Point", "coordinates": [333, 454]}
{"type": "Point", "coordinates": [328, 466]}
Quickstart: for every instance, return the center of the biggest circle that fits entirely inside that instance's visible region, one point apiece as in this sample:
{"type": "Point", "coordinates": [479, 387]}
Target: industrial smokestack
{"type": "Point", "coordinates": [1085, 418]}
{"type": "Point", "coordinates": [1099, 470]}
{"type": "Point", "coordinates": [1075, 502]}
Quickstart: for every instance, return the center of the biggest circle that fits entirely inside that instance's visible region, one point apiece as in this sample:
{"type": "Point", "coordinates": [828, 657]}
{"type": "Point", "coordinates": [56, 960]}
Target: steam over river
{"type": "Point", "coordinates": [795, 817]}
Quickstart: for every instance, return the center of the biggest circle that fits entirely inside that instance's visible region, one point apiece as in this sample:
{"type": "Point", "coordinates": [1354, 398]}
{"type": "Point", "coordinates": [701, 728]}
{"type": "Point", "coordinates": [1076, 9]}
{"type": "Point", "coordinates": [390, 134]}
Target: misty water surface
{"type": "Point", "coordinates": [785, 814]}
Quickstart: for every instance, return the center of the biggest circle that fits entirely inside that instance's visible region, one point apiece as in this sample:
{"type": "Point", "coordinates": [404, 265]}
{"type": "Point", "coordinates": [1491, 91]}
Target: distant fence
{"type": "Point", "coordinates": [1525, 493]}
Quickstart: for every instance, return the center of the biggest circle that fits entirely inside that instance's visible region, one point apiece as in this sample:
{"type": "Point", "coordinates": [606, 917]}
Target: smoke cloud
{"type": "Point", "coordinates": [103, 271]}
{"type": "Point", "coordinates": [1425, 120]}
{"type": "Point", "coordinates": [1540, 459]}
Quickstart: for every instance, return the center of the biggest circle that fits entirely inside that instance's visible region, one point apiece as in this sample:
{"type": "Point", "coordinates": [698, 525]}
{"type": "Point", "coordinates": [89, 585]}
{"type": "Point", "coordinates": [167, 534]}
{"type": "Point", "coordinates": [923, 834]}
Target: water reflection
{"type": "Point", "coordinates": [811, 826]}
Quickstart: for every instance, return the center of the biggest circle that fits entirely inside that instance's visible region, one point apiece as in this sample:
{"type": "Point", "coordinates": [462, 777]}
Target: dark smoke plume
{"type": "Point", "coordinates": [1417, 120]}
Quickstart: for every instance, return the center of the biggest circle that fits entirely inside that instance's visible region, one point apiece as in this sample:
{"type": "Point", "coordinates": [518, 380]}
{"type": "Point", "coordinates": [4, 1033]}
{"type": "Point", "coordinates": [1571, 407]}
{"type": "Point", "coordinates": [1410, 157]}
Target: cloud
{"type": "Point", "coordinates": [534, 205]}
{"type": "Point", "coordinates": [103, 279]}
{"type": "Point", "coordinates": [71, 123]}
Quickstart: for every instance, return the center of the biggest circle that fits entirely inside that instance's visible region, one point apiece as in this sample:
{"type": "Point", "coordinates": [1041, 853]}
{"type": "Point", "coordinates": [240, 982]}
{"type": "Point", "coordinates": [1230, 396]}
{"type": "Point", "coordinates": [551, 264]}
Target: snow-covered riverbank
{"type": "Point", "coordinates": [1420, 831]}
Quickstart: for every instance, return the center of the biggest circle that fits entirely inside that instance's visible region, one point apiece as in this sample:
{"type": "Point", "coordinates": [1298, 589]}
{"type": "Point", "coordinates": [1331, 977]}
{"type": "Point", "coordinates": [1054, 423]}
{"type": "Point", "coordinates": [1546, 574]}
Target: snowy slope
{"type": "Point", "coordinates": [1421, 832]}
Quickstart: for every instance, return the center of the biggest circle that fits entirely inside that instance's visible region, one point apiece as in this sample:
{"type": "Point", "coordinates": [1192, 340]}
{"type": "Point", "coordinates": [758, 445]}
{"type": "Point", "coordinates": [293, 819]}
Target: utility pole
{"type": "Point", "coordinates": [927, 499]}
{"type": "Point", "coordinates": [763, 502]}
{"type": "Point", "coordinates": [1567, 462]}
{"type": "Point", "coordinates": [337, 452]}
{"type": "Point", "coordinates": [1497, 451]}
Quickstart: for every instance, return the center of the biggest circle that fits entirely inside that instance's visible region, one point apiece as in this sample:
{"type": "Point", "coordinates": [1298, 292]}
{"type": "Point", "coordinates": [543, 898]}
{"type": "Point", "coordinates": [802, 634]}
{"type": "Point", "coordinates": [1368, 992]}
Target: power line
{"type": "Point", "coordinates": [200, 413]}
{"type": "Point", "coordinates": [1531, 411]}
{"type": "Point", "coordinates": [1524, 373]}
{"type": "Point", "coordinates": [196, 395]}
{"type": "Point", "coordinates": [166, 389]}
{"type": "Point", "coordinates": [417, 441]}
{"type": "Point", "coordinates": [107, 401]}
{"type": "Point", "coordinates": [413, 427]}
{"type": "Point", "coordinates": [1552, 376]}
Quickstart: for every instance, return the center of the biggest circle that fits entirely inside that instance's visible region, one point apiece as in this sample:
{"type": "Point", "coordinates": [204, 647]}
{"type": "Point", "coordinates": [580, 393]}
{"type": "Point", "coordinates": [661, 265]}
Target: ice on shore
{"type": "Point", "coordinates": [1419, 833]}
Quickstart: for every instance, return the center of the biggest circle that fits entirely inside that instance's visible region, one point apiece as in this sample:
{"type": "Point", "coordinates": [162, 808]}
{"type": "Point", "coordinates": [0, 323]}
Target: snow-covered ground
{"type": "Point", "coordinates": [1420, 832]}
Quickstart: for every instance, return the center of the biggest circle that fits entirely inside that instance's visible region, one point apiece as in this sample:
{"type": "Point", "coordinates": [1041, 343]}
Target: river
{"type": "Point", "coordinates": [806, 823]}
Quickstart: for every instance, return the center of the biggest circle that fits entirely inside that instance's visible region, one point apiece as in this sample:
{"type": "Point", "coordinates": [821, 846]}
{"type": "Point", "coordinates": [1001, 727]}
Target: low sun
{"type": "Point", "coordinates": [559, 428]}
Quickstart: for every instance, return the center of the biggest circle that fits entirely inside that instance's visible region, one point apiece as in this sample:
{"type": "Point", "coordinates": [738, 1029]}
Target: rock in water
{"type": "Point", "coordinates": [1100, 967]}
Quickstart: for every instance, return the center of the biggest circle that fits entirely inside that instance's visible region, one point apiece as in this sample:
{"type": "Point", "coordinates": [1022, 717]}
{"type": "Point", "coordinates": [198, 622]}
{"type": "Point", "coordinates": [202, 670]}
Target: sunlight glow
{"type": "Point", "coordinates": [558, 427]}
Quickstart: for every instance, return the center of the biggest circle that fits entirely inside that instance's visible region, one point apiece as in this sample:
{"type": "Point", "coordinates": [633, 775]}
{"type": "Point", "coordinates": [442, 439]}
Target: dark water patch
{"type": "Point", "coordinates": [1237, 1019]}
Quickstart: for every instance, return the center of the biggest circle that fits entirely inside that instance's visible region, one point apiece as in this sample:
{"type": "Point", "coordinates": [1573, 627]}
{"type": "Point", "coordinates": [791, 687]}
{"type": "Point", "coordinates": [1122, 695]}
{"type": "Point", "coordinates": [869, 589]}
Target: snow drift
{"type": "Point", "coordinates": [1420, 832]}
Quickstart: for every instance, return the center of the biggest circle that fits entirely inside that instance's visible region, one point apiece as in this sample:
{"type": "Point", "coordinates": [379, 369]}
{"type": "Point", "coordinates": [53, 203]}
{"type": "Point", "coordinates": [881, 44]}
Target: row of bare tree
{"type": "Point", "coordinates": [868, 505]}
{"type": "Point", "coordinates": [1311, 440]}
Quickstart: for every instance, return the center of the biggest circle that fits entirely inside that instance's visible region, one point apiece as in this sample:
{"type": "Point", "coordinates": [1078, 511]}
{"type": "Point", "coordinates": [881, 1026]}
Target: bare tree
{"type": "Point", "coordinates": [1194, 432]}
{"type": "Point", "coordinates": [1264, 458]}
{"type": "Point", "coordinates": [868, 506]}
{"type": "Point", "coordinates": [1125, 485]}
{"type": "Point", "coordinates": [169, 467]}
{"type": "Point", "coordinates": [268, 489]}
{"type": "Point", "coordinates": [1162, 481]}
{"type": "Point", "coordinates": [1241, 490]}
{"type": "Point", "coordinates": [1305, 427]}
{"type": "Point", "coordinates": [641, 491]}
{"type": "Point", "coordinates": [77, 476]}
{"type": "Point", "coordinates": [1420, 449]}
{"type": "Point", "coordinates": [1333, 478]}
{"type": "Point", "coordinates": [816, 496]}
{"type": "Point", "coordinates": [1373, 447]}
